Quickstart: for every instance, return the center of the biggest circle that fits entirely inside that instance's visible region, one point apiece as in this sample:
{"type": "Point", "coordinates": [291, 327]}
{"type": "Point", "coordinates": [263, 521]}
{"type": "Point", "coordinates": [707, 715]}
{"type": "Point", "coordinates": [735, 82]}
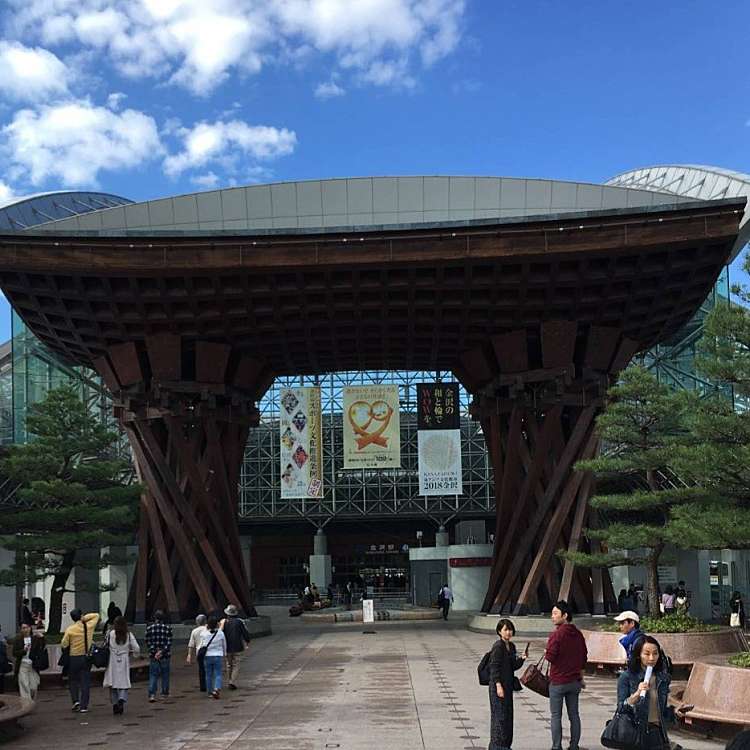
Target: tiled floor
{"type": "Point", "coordinates": [391, 685]}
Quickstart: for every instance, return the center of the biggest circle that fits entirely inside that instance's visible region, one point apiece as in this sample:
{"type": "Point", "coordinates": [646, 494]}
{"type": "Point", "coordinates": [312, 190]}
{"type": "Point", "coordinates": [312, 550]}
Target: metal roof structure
{"type": "Point", "coordinates": [34, 210]}
{"type": "Point", "coordinates": [691, 181]}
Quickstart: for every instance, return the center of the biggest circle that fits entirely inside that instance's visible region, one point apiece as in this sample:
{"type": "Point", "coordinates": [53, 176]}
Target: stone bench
{"type": "Point", "coordinates": [717, 690]}
{"type": "Point", "coordinates": [381, 615]}
{"type": "Point", "coordinates": [682, 648]}
{"type": "Point", "coordinates": [13, 708]}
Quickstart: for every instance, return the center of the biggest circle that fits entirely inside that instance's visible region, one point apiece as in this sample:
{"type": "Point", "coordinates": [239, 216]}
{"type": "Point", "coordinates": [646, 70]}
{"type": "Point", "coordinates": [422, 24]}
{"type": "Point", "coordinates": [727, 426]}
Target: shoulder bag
{"type": "Point", "coordinates": [535, 679]}
{"type": "Point", "coordinates": [40, 660]}
{"type": "Point", "coordinates": [204, 649]}
{"type": "Point", "coordinates": [623, 731]}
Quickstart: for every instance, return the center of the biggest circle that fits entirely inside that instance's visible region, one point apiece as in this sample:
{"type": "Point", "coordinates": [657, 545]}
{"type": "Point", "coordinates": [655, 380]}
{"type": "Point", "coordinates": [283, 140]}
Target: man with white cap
{"type": "Point", "coordinates": [630, 627]}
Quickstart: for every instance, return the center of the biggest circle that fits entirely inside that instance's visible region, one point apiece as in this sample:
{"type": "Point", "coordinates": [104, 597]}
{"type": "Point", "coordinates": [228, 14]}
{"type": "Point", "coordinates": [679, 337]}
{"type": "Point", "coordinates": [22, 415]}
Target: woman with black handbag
{"type": "Point", "coordinates": [504, 661]}
{"type": "Point", "coordinates": [643, 688]}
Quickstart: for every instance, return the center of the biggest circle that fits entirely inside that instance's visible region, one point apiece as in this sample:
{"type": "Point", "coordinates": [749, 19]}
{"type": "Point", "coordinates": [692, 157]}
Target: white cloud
{"type": "Point", "coordinates": [116, 99]}
{"type": "Point", "coordinates": [72, 142]}
{"type": "Point", "coordinates": [7, 194]}
{"type": "Point", "coordinates": [227, 143]}
{"type": "Point", "coordinates": [208, 180]}
{"type": "Point", "coordinates": [199, 43]}
{"type": "Point", "coordinates": [31, 73]}
{"type": "Point", "coordinates": [328, 90]}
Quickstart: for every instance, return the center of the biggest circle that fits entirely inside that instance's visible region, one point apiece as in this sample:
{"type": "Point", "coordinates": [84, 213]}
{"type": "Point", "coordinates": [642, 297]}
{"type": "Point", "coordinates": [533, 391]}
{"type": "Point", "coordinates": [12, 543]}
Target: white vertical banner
{"type": "Point", "coordinates": [301, 443]}
{"type": "Point", "coordinates": [368, 610]}
{"type": "Point", "coordinates": [439, 456]}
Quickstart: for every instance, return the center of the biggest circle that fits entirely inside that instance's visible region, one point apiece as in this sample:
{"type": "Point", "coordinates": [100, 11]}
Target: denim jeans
{"type": "Point", "coordinates": [569, 694]}
{"type": "Point", "coordinates": [156, 669]}
{"type": "Point", "coordinates": [79, 680]}
{"type": "Point", "coordinates": [213, 673]}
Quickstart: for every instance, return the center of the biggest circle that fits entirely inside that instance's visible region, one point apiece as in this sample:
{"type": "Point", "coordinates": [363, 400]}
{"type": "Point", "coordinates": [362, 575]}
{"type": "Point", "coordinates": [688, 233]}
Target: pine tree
{"type": "Point", "coordinates": [73, 498]}
{"type": "Point", "coordinates": [640, 429]}
{"type": "Point", "coordinates": [716, 461]}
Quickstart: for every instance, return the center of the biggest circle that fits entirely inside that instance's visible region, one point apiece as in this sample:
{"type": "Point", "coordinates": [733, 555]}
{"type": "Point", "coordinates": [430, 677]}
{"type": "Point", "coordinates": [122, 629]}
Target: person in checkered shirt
{"type": "Point", "coordinates": [159, 642]}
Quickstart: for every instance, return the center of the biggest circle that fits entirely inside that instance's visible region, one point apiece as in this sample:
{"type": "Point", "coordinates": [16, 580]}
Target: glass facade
{"type": "Point", "coordinates": [356, 493]}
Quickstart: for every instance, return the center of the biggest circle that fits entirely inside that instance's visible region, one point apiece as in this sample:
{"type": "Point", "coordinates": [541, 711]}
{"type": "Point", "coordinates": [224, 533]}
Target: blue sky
{"type": "Point", "coordinates": [147, 98]}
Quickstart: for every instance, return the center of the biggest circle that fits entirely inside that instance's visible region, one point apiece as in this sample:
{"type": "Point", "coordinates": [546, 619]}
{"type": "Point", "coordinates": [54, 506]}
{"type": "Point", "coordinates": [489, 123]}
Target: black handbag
{"type": "Point", "coordinates": [204, 649]}
{"type": "Point", "coordinates": [99, 656]}
{"type": "Point", "coordinates": [623, 731]}
{"type": "Point", "coordinates": [40, 660]}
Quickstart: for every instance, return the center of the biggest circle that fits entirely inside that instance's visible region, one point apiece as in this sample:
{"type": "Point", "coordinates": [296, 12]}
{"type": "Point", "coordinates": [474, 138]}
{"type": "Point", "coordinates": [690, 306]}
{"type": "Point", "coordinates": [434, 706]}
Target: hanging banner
{"type": "Point", "coordinates": [438, 406]}
{"type": "Point", "coordinates": [301, 446]}
{"type": "Point", "coordinates": [372, 438]}
{"type": "Point", "coordinates": [439, 439]}
{"type": "Point", "coordinates": [439, 454]}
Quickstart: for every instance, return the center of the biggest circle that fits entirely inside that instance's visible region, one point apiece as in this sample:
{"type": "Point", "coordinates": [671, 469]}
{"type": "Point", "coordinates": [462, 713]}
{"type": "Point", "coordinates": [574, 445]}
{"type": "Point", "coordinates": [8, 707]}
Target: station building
{"type": "Point", "coordinates": [368, 521]}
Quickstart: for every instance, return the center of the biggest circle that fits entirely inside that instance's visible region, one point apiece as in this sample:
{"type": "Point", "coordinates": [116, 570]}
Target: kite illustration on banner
{"type": "Point", "coordinates": [301, 443]}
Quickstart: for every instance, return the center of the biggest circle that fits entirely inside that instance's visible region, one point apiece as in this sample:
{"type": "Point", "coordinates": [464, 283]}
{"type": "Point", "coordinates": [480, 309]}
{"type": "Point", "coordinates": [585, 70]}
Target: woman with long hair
{"type": "Point", "coordinates": [648, 698]}
{"type": "Point", "coordinates": [503, 663]}
{"type": "Point", "coordinates": [122, 645]}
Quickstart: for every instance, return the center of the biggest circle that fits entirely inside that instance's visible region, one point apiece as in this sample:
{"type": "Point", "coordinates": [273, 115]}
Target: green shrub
{"type": "Point", "coordinates": [669, 624]}
{"type": "Point", "coordinates": [740, 660]}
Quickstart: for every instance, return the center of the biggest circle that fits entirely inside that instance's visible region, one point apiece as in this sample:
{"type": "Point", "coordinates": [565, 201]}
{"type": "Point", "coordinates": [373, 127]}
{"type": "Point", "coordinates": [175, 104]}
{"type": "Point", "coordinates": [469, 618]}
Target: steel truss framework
{"type": "Point", "coordinates": [361, 493]}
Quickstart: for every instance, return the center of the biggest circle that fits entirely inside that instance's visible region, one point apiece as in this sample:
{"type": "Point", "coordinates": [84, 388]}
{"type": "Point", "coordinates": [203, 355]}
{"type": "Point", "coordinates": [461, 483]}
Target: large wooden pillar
{"type": "Point", "coordinates": [186, 408]}
{"type": "Point", "coordinates": [537, 394]}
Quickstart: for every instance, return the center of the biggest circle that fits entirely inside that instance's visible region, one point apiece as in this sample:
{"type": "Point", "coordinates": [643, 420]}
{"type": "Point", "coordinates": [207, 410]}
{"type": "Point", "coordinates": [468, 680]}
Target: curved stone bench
{"type": "Point", "coordinates": [684, 649]}
{"type": "Point", "coordinates": [381, 615]}
{"type": "Point", "coordinates": [12, 708]}
{"type": "Point", "coordinates": [530, 626]}
{"type": "Point", "coordinates": [717, 690]}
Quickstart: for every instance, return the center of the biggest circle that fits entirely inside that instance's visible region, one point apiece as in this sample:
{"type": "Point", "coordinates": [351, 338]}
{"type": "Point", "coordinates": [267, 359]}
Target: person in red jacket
{"type": "Point", "coordinates": [566, 653]}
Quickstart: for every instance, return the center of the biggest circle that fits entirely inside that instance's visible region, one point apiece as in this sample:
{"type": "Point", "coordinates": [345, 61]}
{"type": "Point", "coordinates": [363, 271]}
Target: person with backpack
{"type": "Point", "coordinates": [503, 662]}
{"type": "Point", "coordinates": [238, 639]}
{"type": "Point", "coordinates": [77, 639]}
{"type": "Point", "coordinates": [213, 649]}
{"type": "Point", "coordinates": [122, 645]}
{"type": "Point", "coordinates": [566, 653]}
{"type": "Point", "coordinates": [30, 654]}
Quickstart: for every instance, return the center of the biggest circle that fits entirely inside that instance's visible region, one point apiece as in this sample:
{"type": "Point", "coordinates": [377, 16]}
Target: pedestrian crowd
{"type": "Point", "coordinates": [216, 643]}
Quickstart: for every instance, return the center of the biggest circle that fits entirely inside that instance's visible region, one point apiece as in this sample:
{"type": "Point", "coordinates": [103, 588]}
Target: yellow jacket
{"type": "Point", "coordinates": [73, 637]}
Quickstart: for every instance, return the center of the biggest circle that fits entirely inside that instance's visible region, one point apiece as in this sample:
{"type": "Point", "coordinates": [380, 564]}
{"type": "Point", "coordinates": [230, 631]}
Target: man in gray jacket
{"type": "Point", "coordinates": [238, 639]}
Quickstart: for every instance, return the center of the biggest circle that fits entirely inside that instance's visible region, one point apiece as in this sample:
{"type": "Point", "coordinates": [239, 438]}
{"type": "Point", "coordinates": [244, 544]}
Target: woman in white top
{"type": "Point", "coordinates": [122, 645]}
{"type": "Point", "coordinates": [215, 643]}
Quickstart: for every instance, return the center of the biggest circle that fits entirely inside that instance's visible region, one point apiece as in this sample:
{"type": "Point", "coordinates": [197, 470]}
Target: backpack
{"type": "Point", "coordinates": [483, 670]}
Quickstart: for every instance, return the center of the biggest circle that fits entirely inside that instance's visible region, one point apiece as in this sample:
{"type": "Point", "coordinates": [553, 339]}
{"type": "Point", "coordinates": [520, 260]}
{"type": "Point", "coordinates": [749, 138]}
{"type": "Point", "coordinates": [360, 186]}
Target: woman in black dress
{"type": "Point", "coordinates": [503, 663]}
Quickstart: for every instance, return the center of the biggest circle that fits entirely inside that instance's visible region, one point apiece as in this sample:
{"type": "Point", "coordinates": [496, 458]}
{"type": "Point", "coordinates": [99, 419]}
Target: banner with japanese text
{"type": "Point", "coordinates": [301, 448]}
{"type": "Point", "coordinates": [439, 439]}
{"type": "Point", "coordinates": [372, 436]}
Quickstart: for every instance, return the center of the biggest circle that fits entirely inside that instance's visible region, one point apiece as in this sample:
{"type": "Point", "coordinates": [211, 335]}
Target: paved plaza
{"type": "Point", "coordinates": [387, 685]}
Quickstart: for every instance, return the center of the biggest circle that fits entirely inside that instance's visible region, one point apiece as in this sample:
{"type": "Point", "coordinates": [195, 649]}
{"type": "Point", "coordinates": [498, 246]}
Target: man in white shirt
{"type": "Point", "coordinates": [445, 597]}
{"type": "Point", "coordinates": [193, 646]}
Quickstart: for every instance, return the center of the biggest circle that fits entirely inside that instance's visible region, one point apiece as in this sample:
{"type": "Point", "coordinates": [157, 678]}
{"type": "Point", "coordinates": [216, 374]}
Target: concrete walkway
{"type": "Point", "coordinates": [388, 685]}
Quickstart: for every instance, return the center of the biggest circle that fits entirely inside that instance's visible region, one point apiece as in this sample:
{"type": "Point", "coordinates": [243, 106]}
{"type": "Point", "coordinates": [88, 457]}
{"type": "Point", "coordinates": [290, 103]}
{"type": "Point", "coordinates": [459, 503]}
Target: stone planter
{"type": "Point", "coordinates": [683, 648]}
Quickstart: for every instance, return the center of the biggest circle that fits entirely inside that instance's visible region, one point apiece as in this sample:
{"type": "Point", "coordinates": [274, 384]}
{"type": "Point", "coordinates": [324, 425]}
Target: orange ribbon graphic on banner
{"type": "Point", "coordinates": [378, 411]}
